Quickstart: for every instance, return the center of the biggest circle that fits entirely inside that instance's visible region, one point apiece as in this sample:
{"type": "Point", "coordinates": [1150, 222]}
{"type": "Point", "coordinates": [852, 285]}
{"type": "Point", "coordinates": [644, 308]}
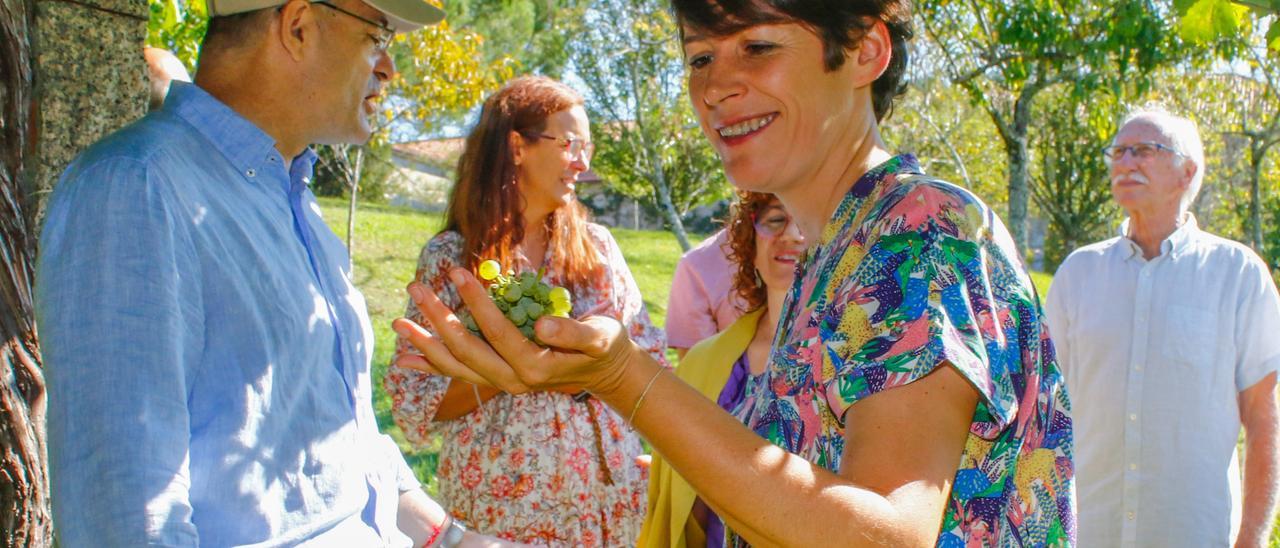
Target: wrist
{"type": "Point", "coordinates": [626, 381]}
{"type": "Point", "coordinates": [449, 534]}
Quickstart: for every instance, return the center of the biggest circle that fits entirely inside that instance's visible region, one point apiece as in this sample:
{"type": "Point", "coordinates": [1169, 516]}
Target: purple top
{"type": "Point", "coordinates": [735, 389]}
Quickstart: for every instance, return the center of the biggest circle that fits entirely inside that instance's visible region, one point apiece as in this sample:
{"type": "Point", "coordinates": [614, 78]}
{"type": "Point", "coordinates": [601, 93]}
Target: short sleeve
{"type": "Point", "coordinates": [1058, 317]}
{"type": "Point", "coordinates": [1257, 343]}
{"type": "Point", "coordinates": [690, 317]}
{"type": "Point", "coordinates": [925, 293]}
{"type": "Point", "coordinates": [416, 395]}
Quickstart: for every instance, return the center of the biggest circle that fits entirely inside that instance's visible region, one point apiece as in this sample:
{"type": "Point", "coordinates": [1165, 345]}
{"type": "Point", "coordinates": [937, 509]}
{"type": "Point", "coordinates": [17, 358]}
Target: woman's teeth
{"type": "Point", "coordinates": [738, 130]}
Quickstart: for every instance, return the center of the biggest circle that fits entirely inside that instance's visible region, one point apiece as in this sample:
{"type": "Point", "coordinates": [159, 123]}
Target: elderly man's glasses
{"type": "Point", "coordinates": [1141, 151]}
{"type": "Point", "coordinates": [573, 145]}
{"type": "Point", "coordinates": [381, 40]}
{"type": "Point", "coordinates": [771, 222]}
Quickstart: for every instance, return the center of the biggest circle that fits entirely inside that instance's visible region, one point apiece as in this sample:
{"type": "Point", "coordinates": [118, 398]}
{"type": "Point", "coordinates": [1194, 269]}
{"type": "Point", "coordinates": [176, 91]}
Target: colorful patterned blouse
{"type": "Point", "coordinates": [537, 468]}
{"type": "Point", "coordinates": [912, 272]}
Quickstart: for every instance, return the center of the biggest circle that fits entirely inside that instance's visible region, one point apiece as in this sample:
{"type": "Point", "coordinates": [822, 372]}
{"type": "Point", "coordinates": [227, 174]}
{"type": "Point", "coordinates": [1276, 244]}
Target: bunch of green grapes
{"type": "Point", "coordinates": [523, 298]}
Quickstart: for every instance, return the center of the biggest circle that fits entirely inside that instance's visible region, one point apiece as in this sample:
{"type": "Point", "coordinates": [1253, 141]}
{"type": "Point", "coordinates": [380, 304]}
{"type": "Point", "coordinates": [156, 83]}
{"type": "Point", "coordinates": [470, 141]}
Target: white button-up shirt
{"type": "Point", "coordinates": [1155, 354]}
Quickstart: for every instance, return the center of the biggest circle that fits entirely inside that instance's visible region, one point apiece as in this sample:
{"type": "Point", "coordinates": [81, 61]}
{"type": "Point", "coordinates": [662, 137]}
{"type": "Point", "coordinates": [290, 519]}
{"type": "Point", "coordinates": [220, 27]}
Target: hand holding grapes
{"type": "Point", "coordinates": [591, 353]}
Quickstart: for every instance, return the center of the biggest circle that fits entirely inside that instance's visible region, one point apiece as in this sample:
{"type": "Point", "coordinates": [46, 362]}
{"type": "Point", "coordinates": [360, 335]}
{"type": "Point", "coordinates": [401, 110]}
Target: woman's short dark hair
{"type": "Point", "coordinates": [840, 24]}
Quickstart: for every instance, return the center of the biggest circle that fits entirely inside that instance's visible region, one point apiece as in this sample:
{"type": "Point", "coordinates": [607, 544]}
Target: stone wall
{"type": "Point", "coordinates": [90, 76]}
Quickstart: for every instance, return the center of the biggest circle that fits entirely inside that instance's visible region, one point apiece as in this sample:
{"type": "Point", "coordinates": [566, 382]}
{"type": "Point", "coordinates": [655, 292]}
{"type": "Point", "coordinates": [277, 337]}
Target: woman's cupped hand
{"type": "Point", "coordinates": [592, 353]}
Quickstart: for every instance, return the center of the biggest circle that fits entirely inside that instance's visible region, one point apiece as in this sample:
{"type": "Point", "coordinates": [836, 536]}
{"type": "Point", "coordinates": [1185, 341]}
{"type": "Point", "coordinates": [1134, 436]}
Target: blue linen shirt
{"type": "Point", "coordinates": [206, 352]}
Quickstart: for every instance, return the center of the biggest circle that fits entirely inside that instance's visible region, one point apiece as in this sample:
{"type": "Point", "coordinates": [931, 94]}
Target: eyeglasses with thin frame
{"type": "Point", "coordinates": [573, 145]}
{"type": "Point", "coordinates": [1141, 151]}
{"type": "Point", "coordinates": [771, 222]}
{"type": "Point", "coordinates": [381, 40]}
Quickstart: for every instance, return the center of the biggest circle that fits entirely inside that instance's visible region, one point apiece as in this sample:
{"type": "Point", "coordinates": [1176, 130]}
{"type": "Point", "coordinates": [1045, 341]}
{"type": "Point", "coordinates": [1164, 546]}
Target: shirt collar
{"type": "Point", "coordinates": [1174, 245]}
{"type": "Point", "coordinates": [244, 144]}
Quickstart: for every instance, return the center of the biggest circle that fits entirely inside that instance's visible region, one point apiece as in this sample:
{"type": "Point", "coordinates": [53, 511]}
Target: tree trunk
{"type": "Point", "coordinates": [25, 517]}
{"type": "Point", "coordinates": [1257, 157]}
{"type": "Point", "coordinates": [353, 180]}
{"type": "Point", "coordinates": [1020, 167]}
{"type": "Point", "coordinates": [668, 207]}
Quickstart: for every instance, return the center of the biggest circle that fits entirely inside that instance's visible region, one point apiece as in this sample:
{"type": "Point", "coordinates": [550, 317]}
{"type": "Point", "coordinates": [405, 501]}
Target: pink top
{"type": "Point", "coordinates": [702, 300]}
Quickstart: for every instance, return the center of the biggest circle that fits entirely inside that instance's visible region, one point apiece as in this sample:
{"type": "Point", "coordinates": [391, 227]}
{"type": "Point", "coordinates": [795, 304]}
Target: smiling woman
{"type": "Point", "coordinates": [911, 395]}
{"type": "Point", "coordinates": [542, 467]}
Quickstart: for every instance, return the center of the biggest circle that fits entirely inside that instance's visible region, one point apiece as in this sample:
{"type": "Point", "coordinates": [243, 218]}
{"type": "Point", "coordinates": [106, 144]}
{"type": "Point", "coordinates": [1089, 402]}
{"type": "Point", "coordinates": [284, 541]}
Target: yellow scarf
{"type": "Point", "coordinates": [706, 368]}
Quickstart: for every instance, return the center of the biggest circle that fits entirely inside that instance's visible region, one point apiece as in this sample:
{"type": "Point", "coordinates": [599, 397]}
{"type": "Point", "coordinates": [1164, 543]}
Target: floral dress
{"type": "Point", "coordinates": [537, 468]}
{"type": "Point", "coordinates": [910, 273]}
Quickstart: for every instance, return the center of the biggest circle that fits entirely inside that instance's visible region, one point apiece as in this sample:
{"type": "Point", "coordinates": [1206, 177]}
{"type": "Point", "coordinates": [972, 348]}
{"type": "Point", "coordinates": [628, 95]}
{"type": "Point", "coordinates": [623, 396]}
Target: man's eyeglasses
{"type": "Point", "coordinates": [1141, 151]}
{"type": "Point", "coordinates": [573, 145]}
{"type": "Point", "coordinates": [381, 40]}
{"type": "Point", "coordinates": [771, 222]}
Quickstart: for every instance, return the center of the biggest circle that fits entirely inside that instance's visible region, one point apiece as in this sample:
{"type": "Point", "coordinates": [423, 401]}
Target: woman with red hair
{"type": "Point", "coordinates": [546, 467]}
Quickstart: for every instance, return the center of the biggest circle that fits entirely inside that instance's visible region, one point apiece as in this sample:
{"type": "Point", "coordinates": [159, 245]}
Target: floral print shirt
{"type": "Point", "coordinates": [911, 273]}
{"type": "Point", "coordinates": [538, 468]}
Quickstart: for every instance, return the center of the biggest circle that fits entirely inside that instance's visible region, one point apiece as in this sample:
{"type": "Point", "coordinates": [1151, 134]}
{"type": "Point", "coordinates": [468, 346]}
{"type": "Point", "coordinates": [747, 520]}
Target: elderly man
{"type": "Point", "coordinates": [207, 353]}
{"type": "Point", "coordinates": [1169, 338]}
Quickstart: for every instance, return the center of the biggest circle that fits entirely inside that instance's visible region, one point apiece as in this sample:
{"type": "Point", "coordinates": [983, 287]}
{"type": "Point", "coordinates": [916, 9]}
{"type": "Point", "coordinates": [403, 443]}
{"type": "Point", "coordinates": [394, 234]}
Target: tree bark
{"type": "Point", "coordinates": [25, 517]}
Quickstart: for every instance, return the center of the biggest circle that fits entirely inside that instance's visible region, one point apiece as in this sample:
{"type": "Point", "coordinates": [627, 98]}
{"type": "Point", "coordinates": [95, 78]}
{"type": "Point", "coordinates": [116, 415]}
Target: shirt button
{"type": "Point", "coordinates": [1131, 516]}
{"type": "Point", "coordinates": [1133, 416]}
{"type": "Point", "coordinates": [1137, 368]}
{"type": "Point", "coordinates": [1133, 466]}
{"type": "Point", "coordinates": [251, 172]}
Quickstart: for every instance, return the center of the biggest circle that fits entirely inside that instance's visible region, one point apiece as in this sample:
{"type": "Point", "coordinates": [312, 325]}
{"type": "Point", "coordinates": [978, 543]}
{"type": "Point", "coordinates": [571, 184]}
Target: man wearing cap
{"type": "Point", "coordinates": [207, 354]}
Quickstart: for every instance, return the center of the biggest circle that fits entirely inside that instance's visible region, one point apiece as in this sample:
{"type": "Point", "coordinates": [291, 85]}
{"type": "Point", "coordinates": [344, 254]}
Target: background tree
{"type": "Point", "coordinates": [952, 138]}
{"type": "Point", "coordinates": [533, 33]}
{"type": "Point", "coordinates": [649, 141]}
{"type": "Point", "coordinates": [1072, 186]}
{"type": "Point", "coordinates": [1006, 53]}
{"type": "Point", "coordinates": [24, 487]}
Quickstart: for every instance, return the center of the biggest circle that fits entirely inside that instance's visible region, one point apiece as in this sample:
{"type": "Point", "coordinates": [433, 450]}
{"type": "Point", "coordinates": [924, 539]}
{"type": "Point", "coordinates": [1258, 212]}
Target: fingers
{"type": "Point", "coordinates": [456, 345]}
{"type": "Point", "coordinates": [436, 358]}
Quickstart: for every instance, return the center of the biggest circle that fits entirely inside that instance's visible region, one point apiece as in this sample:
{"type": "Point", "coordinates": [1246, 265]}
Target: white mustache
{"type": "Point", "coordinates": [1135, 177]}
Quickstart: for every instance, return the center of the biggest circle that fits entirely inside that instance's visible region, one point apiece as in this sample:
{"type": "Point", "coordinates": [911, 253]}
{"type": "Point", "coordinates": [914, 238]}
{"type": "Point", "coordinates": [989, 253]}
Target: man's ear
{"type": "Point", "coordinates": [872, 55]}
{"type": "Point", "coordinates": [298, 26]}
{"type": "Point", "coordinates": [516, 142]}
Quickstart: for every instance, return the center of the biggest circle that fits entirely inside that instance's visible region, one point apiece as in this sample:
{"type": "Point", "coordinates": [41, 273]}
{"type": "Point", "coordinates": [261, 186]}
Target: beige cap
{"type": "Point", "coordinates": [402, 15]}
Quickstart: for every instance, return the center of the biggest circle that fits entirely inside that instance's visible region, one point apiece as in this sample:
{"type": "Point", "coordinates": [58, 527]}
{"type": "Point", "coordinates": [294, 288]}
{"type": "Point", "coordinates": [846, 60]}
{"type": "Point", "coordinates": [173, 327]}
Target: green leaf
{"type": "Point", "coordinates": [1207, 20]}
{"type": "Point", "coordinates": [1273, 35]}
{"type": "Point", "coordinates": [1181, 6]}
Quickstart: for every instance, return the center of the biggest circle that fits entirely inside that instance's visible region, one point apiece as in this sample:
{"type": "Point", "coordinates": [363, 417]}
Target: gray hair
{"type": "Point", "coordinates": [1183, 136]}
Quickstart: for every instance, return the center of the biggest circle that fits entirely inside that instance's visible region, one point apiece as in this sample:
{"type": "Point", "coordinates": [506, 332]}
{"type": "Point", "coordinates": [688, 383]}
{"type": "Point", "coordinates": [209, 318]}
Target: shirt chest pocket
{"type": "Point", "coordinates": [1191, 334]}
